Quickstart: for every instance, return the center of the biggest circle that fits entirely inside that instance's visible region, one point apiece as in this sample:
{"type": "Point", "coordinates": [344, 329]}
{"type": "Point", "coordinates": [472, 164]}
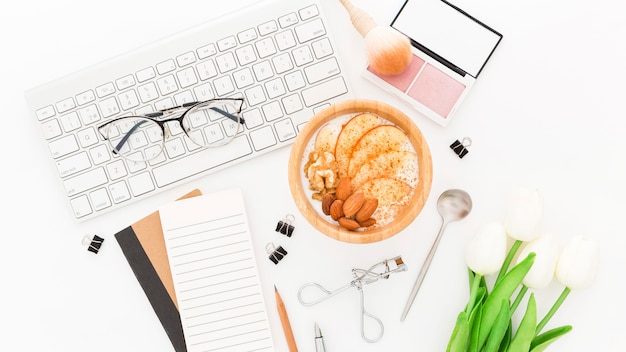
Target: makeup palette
{"type": "Point", "coordinates": [450, 49]}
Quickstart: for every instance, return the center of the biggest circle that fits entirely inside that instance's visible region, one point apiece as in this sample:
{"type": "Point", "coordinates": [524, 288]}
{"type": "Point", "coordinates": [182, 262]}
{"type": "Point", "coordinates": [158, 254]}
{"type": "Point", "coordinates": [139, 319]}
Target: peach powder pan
{"type": "Point", "coordinates": [450, 48]}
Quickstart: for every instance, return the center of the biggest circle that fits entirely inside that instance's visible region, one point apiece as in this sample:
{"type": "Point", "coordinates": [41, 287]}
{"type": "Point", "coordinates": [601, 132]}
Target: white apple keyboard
{"type": "Point", "coordinates": [277, 55]}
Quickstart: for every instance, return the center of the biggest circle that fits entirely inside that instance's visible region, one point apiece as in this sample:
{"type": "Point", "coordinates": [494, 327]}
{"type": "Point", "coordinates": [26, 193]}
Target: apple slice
{"type": "Point", "coordinates": [399, 164]}
{"type": "Point", "coordinates": [392, 195]}
{"type": "Point", "coordinates": [348, 137]}
{"type": "Point", "coordinates": [376, 141]}
{"type": "Point", "coordinates": [326, 139]}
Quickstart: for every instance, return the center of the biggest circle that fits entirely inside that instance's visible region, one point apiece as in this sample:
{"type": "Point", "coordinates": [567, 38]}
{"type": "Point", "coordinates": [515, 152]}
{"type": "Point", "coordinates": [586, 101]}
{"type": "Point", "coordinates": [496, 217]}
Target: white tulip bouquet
{"type": "Point", "coordinates": [485, 325]}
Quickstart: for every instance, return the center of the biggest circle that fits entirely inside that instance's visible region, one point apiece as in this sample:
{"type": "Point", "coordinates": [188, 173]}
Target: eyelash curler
{"type": "Point", "coordinates": [361, 277]}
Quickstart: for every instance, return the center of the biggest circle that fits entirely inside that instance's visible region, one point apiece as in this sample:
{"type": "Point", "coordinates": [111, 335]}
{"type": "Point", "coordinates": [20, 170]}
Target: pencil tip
{"type": "Point", "coordinates": [275, 289]}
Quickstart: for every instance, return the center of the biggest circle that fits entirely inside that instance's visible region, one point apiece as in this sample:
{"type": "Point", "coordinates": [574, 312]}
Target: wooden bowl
{"type": "Point", "coordinates": [311, 209]}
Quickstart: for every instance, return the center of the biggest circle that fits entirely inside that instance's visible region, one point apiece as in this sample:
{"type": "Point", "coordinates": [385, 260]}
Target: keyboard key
{"type": "Point", "coordinates": [206, 70]}
{"type": "Point", "coordinates": [285, 40]}
{"type": "Point", "coordinates": [302, 55]}
{"type": "Point", "coordinates": [308, 12]}
{"type": "Point", "coordinates": [263, 70]}
{"type": "Point", "coordinates": [185, 59]}
{"type": "Point", "coordinates": [253, 118]}
{"type": "Point", "coordinates": [275, 88]}
{"type": "Point", "coordinates": [310, 30]}
{"type": "Point", "coordinates": [255, 96]}
{"type": "Point", "coordinates": [226, 62]}
{"type": "Point", "coordinates": [86, 181]}
{"type": "Point", "coordinates": [167, 85]}
{"type": "Point", "coordinates": [89, 114]}
{"type": "Point", "coordinates": [105, 89]}
{"type": "Point", "coordinates": [81, 206]}
{"type": "Point", "coordinates": [265, 47]}
{"type": "Point", "coordinates": [322, 48]}
{"type": "Point", "coordinates": [322, 70]}
{"type": "Point", "coordinates": [51, 129]}
{"type": "Point", "coordinates": [100, 154]}
{"type": "Point", "coordinates": [119, 192]}
{"type": "Point", "coordinates": [166, 66]}
{"type": "Point", "coordinates": [272, 111]}
{"type": "Point", "coordinates": [285, 130]}
{"type": "Point", "coordinates": [125, 82]}
{"type": "Point", "coordinates": [245, 55]}
{"type": "Point", "coordinates": [109, 107]}
{"type": "Point", "coordinates": [292, 103]}
{"type": "Point", "coordinates": [224, 85]}
{"type": "Point", "coordinates": [70, 122]}
{"type": "Point", "coordinates": [87, 137]}
{"type": "Point", "coordinates": [295, 80]}
{"type": "Point", "coordinates": [141, 184]}
{"type": "Point", "coordinates": [263, 138]}
{"type": "Point", "coordinates": [211, 158]}
{"type": "Point", "coordinates": [45, 112]}
{"type": "Point", "coordinates": [100, 199]}
{"type": "Point", "coordinates": [145, 74]}
{"type": "Point", "coordinates": [65, 105]}
{"type": "Point", "coordinates": [288, 20]}
{"type": "Point", "coordinates": [324, 91]}
{"type": "Point", "coordinates": [63, 146]}
{"type": "Point", "coordinates": [226, 43]}
{"type": "Point", "coordinates": [117, 169]}
{"type": "Point", "coordinates": [282, 63]}
{"type": "Point", "coordinates": [243, 78]}
{"type": "Point", "coordinates": [247, 36]}
{"type": "Point", "coordinates": [187, 77]}
{"type": "Point", "coordinates": [128, 100]}
{"type": "Point", "coordinates": [73, 164]}
{"type": "Point", "coordinates": [85, 97]}
{"type": "Point", "coordinates": [267, 28]}
{"type": "Point", "coordinates": [206, 51]}
{"type": "Point", "coordinates": [148, 92]}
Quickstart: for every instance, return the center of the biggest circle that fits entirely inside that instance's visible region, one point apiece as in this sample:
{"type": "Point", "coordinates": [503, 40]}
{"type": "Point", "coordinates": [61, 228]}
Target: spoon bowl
{"type": "Point", "coordinates": [452, 205]}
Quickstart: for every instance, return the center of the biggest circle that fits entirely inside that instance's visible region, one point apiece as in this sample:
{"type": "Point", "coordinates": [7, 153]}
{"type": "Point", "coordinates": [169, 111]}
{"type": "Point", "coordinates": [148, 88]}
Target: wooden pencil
{"type": "Point", "coordinates": [284, 320]}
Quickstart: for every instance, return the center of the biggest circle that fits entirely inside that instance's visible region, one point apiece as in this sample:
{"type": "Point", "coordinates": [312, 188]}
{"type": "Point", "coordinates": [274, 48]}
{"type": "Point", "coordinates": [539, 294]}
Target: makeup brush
{"type": "Point", "coordinates": [388, 51]}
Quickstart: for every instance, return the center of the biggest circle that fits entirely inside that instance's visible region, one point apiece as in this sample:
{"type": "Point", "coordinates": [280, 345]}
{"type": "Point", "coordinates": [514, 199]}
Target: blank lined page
{"type": "Point", "coordinates": [215, 276]}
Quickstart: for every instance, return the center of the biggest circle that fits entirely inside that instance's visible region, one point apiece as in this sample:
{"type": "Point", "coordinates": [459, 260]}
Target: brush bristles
{"type": "Point", "coordinates": [388, 51]}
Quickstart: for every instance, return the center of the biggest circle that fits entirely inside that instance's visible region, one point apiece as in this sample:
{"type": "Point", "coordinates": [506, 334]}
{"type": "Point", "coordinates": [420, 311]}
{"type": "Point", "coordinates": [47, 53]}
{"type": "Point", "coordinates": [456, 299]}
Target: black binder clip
{"type": "Point", "coordinates": [275, 254]}
{"type": "Point", "coordinates": [94, 243]}
{"type": "Point", "coordinates": [285, 226]}
{"type": "Point", "coordinates": [460, 148]}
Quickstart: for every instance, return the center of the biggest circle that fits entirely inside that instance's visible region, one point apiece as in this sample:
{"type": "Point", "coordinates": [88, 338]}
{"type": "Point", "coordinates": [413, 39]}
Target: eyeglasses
{"type": "Point", "coordinates": [208, 124]}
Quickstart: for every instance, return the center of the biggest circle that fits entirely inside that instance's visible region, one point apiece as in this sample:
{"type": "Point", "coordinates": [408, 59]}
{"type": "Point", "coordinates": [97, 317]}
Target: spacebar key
{"type": "Point", "coordinates": [204, 160]}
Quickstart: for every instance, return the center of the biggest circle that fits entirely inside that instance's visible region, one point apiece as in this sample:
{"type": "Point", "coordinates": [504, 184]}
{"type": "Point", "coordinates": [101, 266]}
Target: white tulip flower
{"type": "Point", "coordinates": [524, 214]}
{"type": "Point", "coordinates": [487, 249]}
{"type": "Point", "coordinates": [578, 263]}
{"type": "Point", "coordinates": [547, 254]}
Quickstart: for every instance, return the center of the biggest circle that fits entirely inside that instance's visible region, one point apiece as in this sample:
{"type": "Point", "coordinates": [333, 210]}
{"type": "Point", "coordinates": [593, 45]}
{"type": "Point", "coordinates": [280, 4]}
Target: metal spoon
{"type": "Point", "coordinates": [453, 205]}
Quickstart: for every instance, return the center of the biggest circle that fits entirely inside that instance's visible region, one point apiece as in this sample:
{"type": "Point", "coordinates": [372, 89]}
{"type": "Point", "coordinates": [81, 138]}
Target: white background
{"type": "Point", "coordinates": [546, 112]}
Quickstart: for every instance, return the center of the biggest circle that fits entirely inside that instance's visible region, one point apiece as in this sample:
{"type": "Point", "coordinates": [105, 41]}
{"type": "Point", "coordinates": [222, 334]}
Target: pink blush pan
{"type": "Point", "coordinates": [436, 90]}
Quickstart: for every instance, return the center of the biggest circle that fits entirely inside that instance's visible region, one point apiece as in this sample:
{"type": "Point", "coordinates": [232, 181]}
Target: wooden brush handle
{"type": "Point", "coordinates": [361, 20]}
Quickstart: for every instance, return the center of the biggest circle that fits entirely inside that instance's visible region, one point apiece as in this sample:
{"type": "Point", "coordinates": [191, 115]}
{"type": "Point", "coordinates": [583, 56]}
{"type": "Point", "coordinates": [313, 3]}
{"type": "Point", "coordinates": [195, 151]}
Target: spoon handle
{"type": "Point", "coordinates": [422, 274]}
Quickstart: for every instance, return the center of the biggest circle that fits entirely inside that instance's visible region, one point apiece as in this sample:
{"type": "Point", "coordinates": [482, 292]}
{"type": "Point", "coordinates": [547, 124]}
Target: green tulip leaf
{"type": "Point", "coordinates": [475, 319]}
{"type": "Point", "coordinates": [526, 330]}
{"type": "Point", "coordinates": [506, 340]}
{"type": "Point", "coordinates": [499, 327]}
{"type": "Point", "coordinates": [542, 341]}
{"type": "Point", "coordinates": [502, 290]}
{"type": "Point", "coordinates": [460, 335]}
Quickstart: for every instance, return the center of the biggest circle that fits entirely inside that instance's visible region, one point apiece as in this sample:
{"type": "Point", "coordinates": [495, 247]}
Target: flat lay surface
{"type": "Point", "coordinates": [545, 113]}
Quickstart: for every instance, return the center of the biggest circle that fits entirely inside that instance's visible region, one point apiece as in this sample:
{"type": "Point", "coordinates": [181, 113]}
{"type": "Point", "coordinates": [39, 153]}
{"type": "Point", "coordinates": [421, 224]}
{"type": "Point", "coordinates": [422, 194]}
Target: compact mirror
{"type": "Point", "coordinates": [448, 33]}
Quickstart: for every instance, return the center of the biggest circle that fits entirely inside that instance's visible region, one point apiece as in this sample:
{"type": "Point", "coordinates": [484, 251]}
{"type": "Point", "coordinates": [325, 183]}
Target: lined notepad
{"type": "Point", "coordinates": [215, 275]}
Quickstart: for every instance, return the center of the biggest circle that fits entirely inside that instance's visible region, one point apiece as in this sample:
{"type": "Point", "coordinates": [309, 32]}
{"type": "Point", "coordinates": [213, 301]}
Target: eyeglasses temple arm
{"type": "Point", "coordinates": [229, 115]}
{"type": "Point", "coordinates": [126, 136]}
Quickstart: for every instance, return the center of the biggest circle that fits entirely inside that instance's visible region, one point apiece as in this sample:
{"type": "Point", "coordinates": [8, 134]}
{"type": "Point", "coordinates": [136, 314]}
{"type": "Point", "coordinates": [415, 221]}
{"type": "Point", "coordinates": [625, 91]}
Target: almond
{"type": "Point", "coordinates": [367, 209]}
{"type": "Point", "coordinates": [344, 188]}
{"type": "Point", "coordinates": [348, 223]}
{"type": "Point", "coordinates": [367, 223]}
{"type": "Point", "coordinates": [353, 204]}
{"type": "Point", "coordinates": [336, 209]}
{"type": "Point", "coordinates": [327, 200]}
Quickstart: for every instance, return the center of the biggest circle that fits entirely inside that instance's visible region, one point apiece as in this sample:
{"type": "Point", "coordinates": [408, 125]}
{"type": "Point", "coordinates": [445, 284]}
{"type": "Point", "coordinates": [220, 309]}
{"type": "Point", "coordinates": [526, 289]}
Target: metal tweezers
{"type": "Point", "coordinates": [361, 277]}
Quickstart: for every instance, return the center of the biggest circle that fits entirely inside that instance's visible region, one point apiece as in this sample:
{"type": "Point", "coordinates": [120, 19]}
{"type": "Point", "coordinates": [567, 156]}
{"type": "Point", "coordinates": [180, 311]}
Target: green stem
{"type": "Point", "coordinates": [518, 299]}
{"type": "Point", "coordinates": [508, 259]}
{"type": "Point", "coordinates": [553, 310]}
{"type": "Point", "coordinates": [473, 290]}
